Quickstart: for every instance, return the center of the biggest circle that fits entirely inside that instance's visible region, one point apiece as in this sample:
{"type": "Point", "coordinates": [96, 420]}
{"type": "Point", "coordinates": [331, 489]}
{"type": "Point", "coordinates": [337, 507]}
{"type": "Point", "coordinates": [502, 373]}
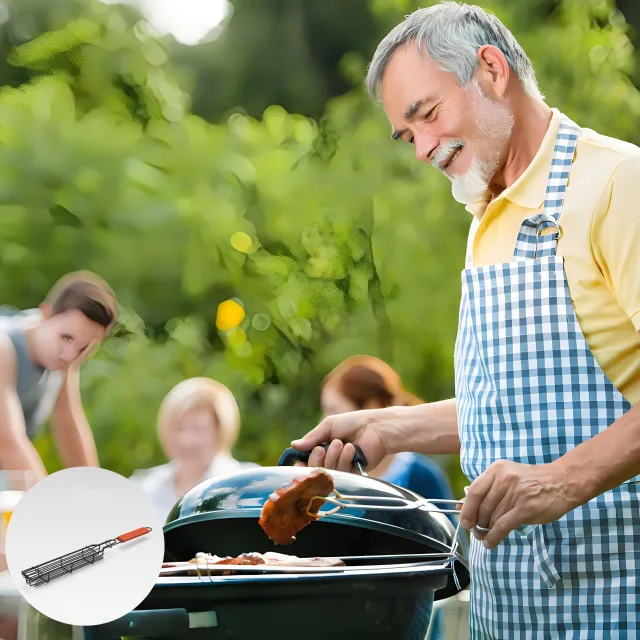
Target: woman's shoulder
{"type": "Point", "coordinates": [152, 476]}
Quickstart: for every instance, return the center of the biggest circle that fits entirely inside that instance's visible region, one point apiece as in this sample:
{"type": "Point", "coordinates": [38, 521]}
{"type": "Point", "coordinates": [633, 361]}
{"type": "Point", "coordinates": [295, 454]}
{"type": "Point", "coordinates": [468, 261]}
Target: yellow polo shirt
{"type": "Point", "coordinates": [600, 243]}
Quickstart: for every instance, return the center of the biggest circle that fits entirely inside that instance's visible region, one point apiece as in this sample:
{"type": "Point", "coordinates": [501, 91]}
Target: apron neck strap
{"type": "Point", "coordinates": [531, 242]}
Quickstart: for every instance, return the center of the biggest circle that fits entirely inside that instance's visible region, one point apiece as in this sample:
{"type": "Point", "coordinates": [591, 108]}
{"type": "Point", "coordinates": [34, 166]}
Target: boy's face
{"type": "Point", "coordinates": [63, 338]}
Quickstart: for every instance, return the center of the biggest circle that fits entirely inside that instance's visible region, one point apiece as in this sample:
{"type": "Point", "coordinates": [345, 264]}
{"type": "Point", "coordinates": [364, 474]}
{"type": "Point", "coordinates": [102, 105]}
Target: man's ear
{"type": "Point", "coordinates": [46, 310]}
{"type": "Point", "coordinates": [493, 72]}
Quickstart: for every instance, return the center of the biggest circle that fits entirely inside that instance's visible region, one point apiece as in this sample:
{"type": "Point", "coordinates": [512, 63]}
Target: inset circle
{"type": "Point", "coordinates": [72, 531]}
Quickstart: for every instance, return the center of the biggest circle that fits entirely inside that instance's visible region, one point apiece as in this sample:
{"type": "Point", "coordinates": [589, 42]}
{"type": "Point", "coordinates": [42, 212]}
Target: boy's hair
{"type": "Point", "coordinates": [87, 293]}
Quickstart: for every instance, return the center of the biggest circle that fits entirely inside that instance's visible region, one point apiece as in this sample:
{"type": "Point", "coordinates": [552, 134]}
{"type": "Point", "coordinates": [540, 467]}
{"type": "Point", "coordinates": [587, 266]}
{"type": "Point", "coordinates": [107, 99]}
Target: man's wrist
{"type": "Point", "coordinates": [392, 430]}
{"type": "Point", "coordinates": [72, 377]}
{"type": "Point", "coordinates": [579, 482]}
{"type": "Point", "coordinates": [409, 429]}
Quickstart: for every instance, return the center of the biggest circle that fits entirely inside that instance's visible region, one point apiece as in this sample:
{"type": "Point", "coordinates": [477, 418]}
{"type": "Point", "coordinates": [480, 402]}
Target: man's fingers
{"type": "Point", "coordinates": [506, 504]}
{"type": "Point", "coordinates": [88, 350]}
{"type": "Point", "coordinates": [333, 454]}
{"type": "Point", "coordinates": [319, 435]}
{"type": "Point", "coordinates": [316, 459]}
{"type": "Point", "coordinates": [490, 504]}
{"type": "Point", "coordinates": [346, 458]}
{"type": "Point", "coordinates": [501, 529]}
{"type": "Point", "coordinates": [476, 494]}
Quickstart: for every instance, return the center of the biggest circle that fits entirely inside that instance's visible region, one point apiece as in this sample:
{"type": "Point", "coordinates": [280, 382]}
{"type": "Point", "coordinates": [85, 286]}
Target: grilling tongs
{"type": "Point", "coordinates": [291, 456]}
{"type": "Point", "coordinates": [47, 571]}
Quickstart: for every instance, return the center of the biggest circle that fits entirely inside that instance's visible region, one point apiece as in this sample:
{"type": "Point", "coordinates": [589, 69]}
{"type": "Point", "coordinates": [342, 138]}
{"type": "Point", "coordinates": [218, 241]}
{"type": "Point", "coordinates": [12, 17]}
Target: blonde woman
{"type": "Point", "coordinates": [198, 424]}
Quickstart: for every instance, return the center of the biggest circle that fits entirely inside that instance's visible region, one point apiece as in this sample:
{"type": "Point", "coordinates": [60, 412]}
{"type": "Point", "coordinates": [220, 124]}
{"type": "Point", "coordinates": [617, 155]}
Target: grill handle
{"type": "Point", "coordinates": [290, 456]}
{"type": "Point", "coordinates": [136, 533]}
{"type": "Point", "coordinates": [158, 623]}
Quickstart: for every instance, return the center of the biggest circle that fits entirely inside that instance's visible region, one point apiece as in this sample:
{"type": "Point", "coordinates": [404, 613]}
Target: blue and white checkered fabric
{"type": "Point", "coordinates": [528, 389]}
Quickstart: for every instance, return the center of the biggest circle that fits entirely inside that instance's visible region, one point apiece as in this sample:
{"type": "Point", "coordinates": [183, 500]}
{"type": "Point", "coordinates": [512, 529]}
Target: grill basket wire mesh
{"type": "Point", "coordinates": [52, 569]}
{"type": "Point", "coordinates": [70, 562]}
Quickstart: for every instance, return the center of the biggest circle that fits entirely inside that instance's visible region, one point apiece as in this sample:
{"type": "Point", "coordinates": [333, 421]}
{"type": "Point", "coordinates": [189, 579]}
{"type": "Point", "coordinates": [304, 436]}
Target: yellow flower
{"type": "Point", "coordinates": [230, 315]}
{"type": "Point", "coordinates": [241, 242]}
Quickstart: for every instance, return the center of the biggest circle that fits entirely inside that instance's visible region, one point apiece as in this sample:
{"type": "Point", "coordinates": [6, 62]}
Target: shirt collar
{"type": "Point", "coordinates": [529, 189]}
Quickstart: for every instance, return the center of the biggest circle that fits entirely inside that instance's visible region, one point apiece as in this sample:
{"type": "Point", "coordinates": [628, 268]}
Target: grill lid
{"type": "Point", "coordinates": [243, 494]}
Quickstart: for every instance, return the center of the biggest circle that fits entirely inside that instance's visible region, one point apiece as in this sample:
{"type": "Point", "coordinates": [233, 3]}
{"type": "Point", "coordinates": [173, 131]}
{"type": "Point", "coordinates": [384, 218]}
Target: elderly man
{"type": "Point", "coordinates": [547, 358]}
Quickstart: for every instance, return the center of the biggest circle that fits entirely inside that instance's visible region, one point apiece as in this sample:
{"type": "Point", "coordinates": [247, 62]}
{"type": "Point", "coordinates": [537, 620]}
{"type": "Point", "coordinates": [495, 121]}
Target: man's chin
{"type": "Point", "coordinates": [467, 194]}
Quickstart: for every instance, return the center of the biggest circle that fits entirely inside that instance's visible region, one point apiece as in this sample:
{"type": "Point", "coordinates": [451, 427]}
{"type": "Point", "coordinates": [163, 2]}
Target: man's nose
{"type": "Point", "coordinates": [426, 145]}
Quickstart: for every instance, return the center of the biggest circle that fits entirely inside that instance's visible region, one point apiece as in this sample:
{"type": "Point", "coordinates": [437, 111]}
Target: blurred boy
{"type": "Point", "coordinates": [40, 356]}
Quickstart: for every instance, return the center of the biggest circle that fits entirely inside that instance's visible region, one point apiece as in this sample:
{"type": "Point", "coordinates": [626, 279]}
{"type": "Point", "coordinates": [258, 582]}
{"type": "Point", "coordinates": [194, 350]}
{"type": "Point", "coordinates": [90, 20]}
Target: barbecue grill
{"type": "Point", "coordinates": [397, 562]}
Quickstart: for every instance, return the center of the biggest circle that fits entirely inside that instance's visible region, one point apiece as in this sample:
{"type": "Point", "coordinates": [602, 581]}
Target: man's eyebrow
{"type": "Point", "coordinates": [414, 107]}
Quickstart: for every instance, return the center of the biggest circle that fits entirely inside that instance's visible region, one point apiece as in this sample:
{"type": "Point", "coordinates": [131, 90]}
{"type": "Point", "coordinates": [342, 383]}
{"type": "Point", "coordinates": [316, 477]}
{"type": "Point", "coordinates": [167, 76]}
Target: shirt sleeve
{"type": "Point", "coordinates": [616, 236]}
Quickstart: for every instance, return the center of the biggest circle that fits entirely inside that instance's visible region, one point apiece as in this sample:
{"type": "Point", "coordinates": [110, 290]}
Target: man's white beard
{"type": "Point", "coordinates": [472, 185]}
{"type": "Point", "coordinates": [495, 125]}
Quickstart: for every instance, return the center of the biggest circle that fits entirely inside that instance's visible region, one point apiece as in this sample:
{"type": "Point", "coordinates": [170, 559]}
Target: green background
{"type": "Point", "coordinates": [139, 158]}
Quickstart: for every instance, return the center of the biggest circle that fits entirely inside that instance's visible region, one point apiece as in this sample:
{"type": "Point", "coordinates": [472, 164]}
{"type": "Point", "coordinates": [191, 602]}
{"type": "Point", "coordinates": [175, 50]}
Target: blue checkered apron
{"type": "Point", "coordinates": [528, 389]}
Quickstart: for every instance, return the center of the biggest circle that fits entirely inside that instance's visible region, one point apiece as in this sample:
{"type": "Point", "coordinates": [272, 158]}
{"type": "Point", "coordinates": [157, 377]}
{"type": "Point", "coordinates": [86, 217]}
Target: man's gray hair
{"type": "Point", "coordinates": [451, 34]}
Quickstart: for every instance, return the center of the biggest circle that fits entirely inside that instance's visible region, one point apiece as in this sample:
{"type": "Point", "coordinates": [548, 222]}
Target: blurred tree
{"type": "Point", "coordinates": [333, 239]}
{"type": "Point", "coordinates": [282, 52]}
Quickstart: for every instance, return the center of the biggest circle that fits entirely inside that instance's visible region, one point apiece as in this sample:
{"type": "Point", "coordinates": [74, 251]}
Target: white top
{"type": "Point", "coordinates": [158, 482]}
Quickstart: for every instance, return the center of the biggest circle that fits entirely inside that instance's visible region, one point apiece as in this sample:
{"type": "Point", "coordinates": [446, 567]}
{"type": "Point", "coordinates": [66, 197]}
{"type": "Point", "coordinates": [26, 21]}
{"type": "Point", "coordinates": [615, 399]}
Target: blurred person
{"type": "Point", "coordinates": [198, 424]}
{"type": "Point", "coordinates": [547, 358]}
{"type": "Point", "coordinates": [41, 352]}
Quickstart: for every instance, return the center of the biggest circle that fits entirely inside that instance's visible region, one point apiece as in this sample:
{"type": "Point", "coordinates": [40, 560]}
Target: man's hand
{"type": "Point", "coordinates": [70, 427]}
{"type": "Point", "coordinates": [86, 353]}
{"type": "Point", "coordinates": [364, 428]}
{"type": "Point", "coordinates": [509, 494]}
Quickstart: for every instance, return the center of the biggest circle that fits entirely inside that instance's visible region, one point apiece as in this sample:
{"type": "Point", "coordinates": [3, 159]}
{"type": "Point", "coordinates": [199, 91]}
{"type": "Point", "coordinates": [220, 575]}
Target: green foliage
{"type": "Point", "coordinates": [354, 246]}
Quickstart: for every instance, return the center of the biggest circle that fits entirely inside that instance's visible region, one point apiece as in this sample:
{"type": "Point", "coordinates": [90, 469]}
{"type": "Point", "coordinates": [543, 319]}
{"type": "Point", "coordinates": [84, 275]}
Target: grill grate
{"type": "Point", "coordinates": [206, 571]}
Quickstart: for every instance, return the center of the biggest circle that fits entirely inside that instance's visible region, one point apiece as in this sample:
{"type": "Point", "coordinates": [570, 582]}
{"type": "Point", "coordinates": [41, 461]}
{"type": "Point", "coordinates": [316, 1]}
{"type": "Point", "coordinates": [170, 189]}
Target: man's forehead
{"type": "Point", "coordinates": [410, 65]}
{"type": "Point", "coordinates": [405, 91]}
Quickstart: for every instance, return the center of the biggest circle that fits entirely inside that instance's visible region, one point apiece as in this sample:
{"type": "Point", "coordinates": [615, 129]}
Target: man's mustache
{"type": "Point", "coordinates": [443, 152]}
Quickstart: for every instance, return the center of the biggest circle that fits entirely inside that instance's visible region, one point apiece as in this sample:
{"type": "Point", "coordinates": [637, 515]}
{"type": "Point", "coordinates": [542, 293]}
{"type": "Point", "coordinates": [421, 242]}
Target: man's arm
{"type": "Point", "coordinates": [430, 428]}
{"type": "Point", "coordinates": [16, 450]}
{"type": "Point", "coordinates": [427, 428]}
{"type": "Point", "coordinates": [70, 427]}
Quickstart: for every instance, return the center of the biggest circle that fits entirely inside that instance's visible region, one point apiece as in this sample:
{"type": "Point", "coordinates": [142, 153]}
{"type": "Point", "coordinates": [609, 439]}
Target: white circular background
{"type": "Point", "coordinates": [69, 510]}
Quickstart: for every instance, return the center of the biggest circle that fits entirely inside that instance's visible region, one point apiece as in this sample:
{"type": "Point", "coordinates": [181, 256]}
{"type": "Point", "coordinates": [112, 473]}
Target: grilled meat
{"type": "Point", "coordinates": [290, 508]}
{"type": "Point", "coordinates": [208, 564]}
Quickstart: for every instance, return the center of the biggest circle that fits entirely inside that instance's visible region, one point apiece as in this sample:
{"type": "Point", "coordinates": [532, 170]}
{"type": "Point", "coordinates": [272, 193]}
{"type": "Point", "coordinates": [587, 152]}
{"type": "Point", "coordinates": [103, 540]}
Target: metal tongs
{"type": "Point", "coordinates": [291, 456]}
{"type": "Point", "coordinates": [405, 505]}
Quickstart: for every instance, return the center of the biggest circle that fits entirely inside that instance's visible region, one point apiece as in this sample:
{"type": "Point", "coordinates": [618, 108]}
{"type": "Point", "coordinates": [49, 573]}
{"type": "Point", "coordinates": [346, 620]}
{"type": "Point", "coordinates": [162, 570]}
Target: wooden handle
{"type": "Point", "coordinates": [136, 533]}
